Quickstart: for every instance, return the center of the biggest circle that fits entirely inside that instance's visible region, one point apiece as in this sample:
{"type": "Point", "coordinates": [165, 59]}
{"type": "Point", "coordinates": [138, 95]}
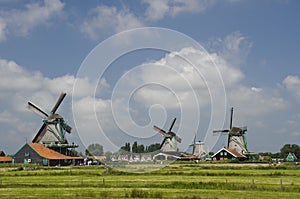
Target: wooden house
{"type": "Point", "coordinates": [35, 153]}
{"type": "Point", "coordinates": [228, 153]}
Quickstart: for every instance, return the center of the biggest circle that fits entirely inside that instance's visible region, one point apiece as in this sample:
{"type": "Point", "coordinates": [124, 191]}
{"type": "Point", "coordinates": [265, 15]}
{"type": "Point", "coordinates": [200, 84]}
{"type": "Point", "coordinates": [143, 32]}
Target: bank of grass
{"type": "Point", "coordinates": [183, 180]}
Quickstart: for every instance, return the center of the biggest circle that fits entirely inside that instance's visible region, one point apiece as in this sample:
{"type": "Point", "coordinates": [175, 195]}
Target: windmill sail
{"type": "Point", "coordinates": [54, 127]}
{"type": "Point", "coordinates": [236, 136]}
{"type": "Point", "coordinates": [169, 143]}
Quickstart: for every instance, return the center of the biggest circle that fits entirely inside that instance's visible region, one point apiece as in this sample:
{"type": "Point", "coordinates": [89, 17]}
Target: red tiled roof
{"type": "Point", "coordinates": [234, 152]}
{"type": "Point", "coordinates": [49, 153]}
{"type": "Point", "coordinates": [5, 159]}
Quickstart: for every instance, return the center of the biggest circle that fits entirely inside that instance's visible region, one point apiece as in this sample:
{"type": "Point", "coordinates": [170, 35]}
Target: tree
{"type": "Point", "coordinates": [140, 148]}
{"type": "Point", "coordinates": [290, 148]}
{"type": "Point", "coordinates": [94, 150]}
{"type": "Point", "coordinates": [153, 147]}
{"type": "Point", "coordinates": [135, 147]}
{"type": "Point", "coordinates": [108, 155]}
{"type": "Point", "coordinates": [126, 147]}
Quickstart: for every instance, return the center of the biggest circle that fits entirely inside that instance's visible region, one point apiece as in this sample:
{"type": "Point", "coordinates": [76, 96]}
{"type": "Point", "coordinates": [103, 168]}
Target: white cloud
{"type": "Point", "coordinates": [253, 103]}
{"type": "Point", "coordinates": [21, 22]}
{"type": "Point", "coordinates": [158, 9]}
{"type": "Point", "coordinates": [104, 19]}
{"type": "Point", "coordinates": [292, 84]}
{"type": "Point", "coordinates": [2, 30]}
{"type": "Point", "coordinates": [15, 78]}
{"type": "Point", "coordinates": [234, 48]}
{"type": "Point", "coordinates": [175, 82]}
{"type": "Point", "coordinates": [256, 89]}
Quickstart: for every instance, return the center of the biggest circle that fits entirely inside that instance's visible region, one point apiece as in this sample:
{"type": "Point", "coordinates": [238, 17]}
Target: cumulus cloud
{"type": "Point", "coordinates": [234, 48]}
{"type": "Point", "coordinates": [21, 22]}
{"type": "Point", "coordinates": [14, 77]}
{"type": "Point", "coordinates": [292, 84]}
{"type": "Point", "coordinates": [157, 9]}
{"type": "Point", "coordinates": [173, 82]}
{"type": "Point", "coordinates": [104, 19]}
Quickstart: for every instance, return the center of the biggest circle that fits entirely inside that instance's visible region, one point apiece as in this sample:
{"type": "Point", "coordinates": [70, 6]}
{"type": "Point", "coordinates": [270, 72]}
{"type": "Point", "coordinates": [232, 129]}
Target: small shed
{"type": "Point", "coordinates": [35, 153]}
{"type": "Point", "coordinates": [228, 153]}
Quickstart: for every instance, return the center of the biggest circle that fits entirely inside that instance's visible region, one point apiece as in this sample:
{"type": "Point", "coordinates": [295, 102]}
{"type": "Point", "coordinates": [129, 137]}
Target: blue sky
{"type": "Point", "coordinates": [43, 44]}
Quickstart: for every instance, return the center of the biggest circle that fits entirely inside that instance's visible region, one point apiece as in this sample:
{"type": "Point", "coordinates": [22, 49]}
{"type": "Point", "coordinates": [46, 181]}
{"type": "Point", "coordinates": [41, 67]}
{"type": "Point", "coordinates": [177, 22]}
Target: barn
{"type": "Point", "coordinates": [228, 153]}
{"type": "Point", "coordinates": [35, 153]}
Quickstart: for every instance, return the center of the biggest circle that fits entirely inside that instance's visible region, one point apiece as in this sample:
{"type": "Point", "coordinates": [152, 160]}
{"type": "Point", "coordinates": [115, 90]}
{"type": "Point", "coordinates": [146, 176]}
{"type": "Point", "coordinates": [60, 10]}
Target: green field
{"type": "Point", "coordinates": [178, 180]}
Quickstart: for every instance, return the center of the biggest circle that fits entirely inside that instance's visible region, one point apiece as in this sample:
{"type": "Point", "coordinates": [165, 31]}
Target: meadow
{"type": "Point", "coordinates": [177, 180]}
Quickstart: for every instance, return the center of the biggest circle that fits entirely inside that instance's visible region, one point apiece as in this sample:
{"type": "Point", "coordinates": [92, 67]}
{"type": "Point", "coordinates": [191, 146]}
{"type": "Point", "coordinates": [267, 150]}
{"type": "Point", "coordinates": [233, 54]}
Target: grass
{"type": "Point", "coordinates": [183, 180]}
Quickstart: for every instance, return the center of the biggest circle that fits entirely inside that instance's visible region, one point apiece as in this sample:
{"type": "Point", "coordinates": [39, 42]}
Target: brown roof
{"type": "Point", "coordinates": [49, 153]}
{"type": "Point", "coordinates": [100, 158]}
{"type": "Point", "coordinates": [5, 159]}
{"type": "Point", "coordinates": [234, 152]}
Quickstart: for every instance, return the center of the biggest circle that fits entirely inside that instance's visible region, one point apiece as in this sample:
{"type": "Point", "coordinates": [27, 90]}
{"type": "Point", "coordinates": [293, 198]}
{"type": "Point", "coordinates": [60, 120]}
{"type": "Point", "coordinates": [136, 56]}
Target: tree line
{"type": "Point", "coordinates": [284, 151]}
{"type": "Point", "coordinates": [140, 148]}
{"type": "Point", "coordinates": [97, 150]}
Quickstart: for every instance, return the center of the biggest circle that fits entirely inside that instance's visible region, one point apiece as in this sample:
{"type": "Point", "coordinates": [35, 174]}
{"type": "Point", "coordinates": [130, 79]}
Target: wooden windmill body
{"type": "Point", "coordinates": [236, 137]}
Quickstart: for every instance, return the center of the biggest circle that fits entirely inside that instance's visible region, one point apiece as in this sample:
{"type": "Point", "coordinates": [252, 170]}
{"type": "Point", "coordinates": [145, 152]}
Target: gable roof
{"type": "Point", "coordinates": [291, 157]}
{"type": "Point", "coordinates": [2, 153]}
{"type": "Point", "coordinates": [49, 153]}
{"type": "Point", "coordinates": [233, 152]}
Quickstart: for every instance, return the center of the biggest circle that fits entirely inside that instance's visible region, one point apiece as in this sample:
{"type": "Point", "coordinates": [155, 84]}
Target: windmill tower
{"type": "Point", "coordinates": [198, 148]}
{"type": "Point", "coordinates": [236, 137]}
{"type": "Point", "coordinates": [53, 131]}
{"type": "Point", "coordinates": [169, 144]}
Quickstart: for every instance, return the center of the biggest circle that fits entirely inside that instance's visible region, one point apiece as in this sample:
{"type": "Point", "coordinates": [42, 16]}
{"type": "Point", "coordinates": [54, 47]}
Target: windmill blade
{"type": "Point", "coordinates": [37, 110]}
{"type": "Point", "coordinates": [59, 100]}
{"type": "Point", "coordinates": [244, 128]}
{"type": "Point", "coordinates": [67, 128]}
{"type": "Point", "coordinates": [40, 134]}
{"type": "Point", "coordinates": [162, 143]}
{"type": "Point", "coordinates": [174, 120]}
{"type": "Point", "coordinates": [159, 130]}
{"type": "Point", "coordinates": [220, 131]}
{"type": "Point", "coordinates": [178, 139]}
{"type": "Point", "coordinates": [231, 117]}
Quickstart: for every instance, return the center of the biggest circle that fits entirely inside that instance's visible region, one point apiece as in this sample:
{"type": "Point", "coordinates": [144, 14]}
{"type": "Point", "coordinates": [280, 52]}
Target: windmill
{"type": "Point", "coordinates": [198, 148]}
{"type": "Point", "coordinates": [169, 143]}
{"type": "Point", "coordinates": [236, 137]}
{"type": "Point", "coordinates": [54, 126]}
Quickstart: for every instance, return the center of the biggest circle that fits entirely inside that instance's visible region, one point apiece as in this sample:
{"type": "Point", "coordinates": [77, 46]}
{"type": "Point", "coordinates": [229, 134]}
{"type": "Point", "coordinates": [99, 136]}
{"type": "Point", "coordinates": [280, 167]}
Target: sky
{"type": "Point", "coordinates": [129, 65]}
